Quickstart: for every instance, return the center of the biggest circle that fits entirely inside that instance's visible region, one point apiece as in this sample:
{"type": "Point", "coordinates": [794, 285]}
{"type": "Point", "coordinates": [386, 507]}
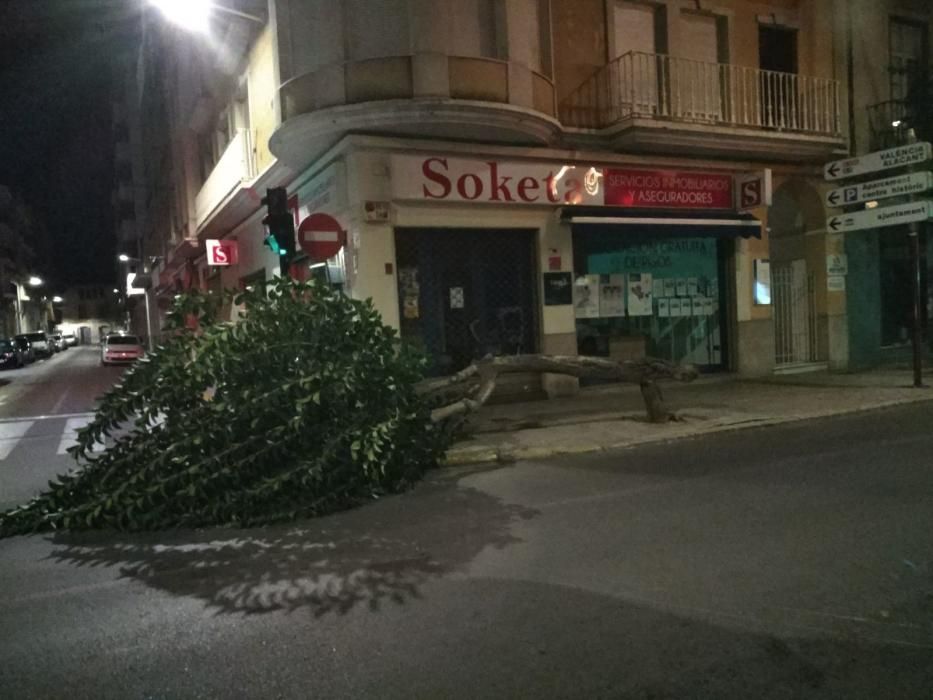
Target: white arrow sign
{"type": "Point", "coordinates": [876, 218]}
{"type": "Point", "coordinates": [880, 189]}
{"type": "Point", "coordinates": [879, 160]}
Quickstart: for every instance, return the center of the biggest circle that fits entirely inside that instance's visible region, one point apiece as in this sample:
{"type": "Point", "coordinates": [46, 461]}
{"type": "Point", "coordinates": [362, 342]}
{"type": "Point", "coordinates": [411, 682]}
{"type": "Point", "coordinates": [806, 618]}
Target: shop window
{"type": "Point", "coordinates": [637, 297]}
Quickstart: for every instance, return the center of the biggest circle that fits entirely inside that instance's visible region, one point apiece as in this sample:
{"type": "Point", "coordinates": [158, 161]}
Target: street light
{"type": "Point", "coordinates": [123, 257]}
{"type": "Point", "coordinates": [194, 15]}
{"type": "Point", "coordinates": [57, 299]}
{"type": "Point", "coordinates": [35, 281]}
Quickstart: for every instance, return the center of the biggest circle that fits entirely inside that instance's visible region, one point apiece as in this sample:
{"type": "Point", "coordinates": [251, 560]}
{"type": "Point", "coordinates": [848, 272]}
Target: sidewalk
{"type": "Point", "coordinates": [613, 416]}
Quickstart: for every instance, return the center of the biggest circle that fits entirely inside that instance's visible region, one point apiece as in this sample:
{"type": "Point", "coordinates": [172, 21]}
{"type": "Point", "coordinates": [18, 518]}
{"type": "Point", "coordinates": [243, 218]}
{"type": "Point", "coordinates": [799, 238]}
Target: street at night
{"type": "Point", "coordinates": [782, 562]}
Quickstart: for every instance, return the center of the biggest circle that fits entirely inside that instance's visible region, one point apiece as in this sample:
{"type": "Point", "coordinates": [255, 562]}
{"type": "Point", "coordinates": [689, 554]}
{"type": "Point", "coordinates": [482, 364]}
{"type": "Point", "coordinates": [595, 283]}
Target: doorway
{"type": "Point", "coordinates": [466, 293]}
{"type": "Point", "coordinates": [777, 58]}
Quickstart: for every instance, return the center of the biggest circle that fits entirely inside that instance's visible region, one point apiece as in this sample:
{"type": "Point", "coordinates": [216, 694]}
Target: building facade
{"type": "Point", "coordinates": [560, 176]}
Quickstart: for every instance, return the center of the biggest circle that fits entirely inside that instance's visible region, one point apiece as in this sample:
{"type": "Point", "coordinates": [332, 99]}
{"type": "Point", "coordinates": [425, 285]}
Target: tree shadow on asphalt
{"type": "Point", "coordinates": [379, 554]}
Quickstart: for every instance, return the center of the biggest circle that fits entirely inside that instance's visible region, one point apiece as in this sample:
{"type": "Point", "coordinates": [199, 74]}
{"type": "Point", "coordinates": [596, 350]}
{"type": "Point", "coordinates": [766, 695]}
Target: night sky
{"type": "Point", "coordinates": [57, 63]}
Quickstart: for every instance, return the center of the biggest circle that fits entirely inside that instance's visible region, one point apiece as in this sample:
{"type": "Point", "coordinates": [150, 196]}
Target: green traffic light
{"type": "Point", "coordinates": [274, 245]}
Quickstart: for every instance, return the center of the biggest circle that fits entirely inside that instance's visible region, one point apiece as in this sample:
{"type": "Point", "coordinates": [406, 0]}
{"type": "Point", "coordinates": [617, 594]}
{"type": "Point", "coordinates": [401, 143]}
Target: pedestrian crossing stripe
{"type": "Point", "coordinates": [11, 434]}
{"type": "Point", "coordinates": [70, 435]}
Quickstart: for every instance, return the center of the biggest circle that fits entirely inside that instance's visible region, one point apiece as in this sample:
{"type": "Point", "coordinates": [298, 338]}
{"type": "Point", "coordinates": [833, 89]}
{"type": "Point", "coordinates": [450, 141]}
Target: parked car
{"type": "Point", "coordinates": [40, 343]}
{"type": "Point", "coordinates": [120, 348]}
{"type": "Point", "coordinates": [11, 355]}
{"type": "Point", "coordinates": [57, 341]}
{"type": "Point", "coordinates": [71, 340]}
{"type": "Point", "coordinates": [25, 347]}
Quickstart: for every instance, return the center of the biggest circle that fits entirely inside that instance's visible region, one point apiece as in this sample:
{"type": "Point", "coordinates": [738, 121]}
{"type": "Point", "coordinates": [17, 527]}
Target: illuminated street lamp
{"type": "Point", "coordinates": [57, 299]}
{"type": "Point", "coordinates": [34, 281]}
{"type": "Point", "coordinates": [194, 15]}
{"type": "Point", "coordinates": [123, 257]}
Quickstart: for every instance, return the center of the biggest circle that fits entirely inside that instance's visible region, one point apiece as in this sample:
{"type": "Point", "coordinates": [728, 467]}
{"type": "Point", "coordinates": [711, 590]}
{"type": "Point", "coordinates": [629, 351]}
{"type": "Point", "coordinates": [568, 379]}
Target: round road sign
{"type": "Point", "coordinates": [321, 237]}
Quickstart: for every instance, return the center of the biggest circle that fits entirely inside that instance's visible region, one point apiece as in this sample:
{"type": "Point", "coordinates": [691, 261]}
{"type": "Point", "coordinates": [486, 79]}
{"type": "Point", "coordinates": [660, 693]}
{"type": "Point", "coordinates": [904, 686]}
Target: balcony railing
{"type": "Point", "coordinates": [234, 167]}
{"type": "Point", "coordinates": [651, 86]}
{"type": "Point", "coordinates": [888, 122]}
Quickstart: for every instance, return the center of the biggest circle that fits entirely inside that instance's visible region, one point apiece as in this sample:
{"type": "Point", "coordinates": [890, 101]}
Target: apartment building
{"type": "Point", "coordinates": [890, 50]}
{"type": "Point", "coordinates": [554, 176]}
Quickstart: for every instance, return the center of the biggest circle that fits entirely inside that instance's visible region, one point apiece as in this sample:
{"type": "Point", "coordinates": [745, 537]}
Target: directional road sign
{"type": "Point", "coordinates": [876, 218]}
{"type": "Point", "coordinates": [880, 189]}
{"type": "Point", "coordinates": [879, 160]}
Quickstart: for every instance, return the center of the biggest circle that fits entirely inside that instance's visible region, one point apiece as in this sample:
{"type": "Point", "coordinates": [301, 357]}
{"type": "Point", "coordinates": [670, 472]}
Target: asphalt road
{"type": "Point", "coordinates": [791, 562]}
{"type": "Point", "coordinates": [40, 410]}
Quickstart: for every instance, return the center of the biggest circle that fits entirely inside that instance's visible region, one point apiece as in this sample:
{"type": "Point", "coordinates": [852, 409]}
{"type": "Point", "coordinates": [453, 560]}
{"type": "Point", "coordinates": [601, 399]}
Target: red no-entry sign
{"type": "Point", "coordinates": [321, 237]}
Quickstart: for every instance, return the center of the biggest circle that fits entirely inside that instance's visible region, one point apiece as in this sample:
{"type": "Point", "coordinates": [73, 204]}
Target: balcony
{"type": "Point", "coordinates": [422, 95]}
{"type": "Point", "coordinates": [234, 168]}
{"type": "Point", "coordinates": [887, 124]}
{"type": "Point", "coordinates": [657, 103]}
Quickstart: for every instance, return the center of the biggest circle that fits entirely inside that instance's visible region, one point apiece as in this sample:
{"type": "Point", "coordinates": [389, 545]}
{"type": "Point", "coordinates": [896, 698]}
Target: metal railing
{"type": "Point", "coordinates": [655, 86]}
{"type": "Point", "coordinates": [887, 124]}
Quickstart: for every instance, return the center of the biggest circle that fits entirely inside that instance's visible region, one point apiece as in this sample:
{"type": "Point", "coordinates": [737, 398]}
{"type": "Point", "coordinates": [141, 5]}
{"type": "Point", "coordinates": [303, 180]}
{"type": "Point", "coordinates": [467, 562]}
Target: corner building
{"type": "Point", "coordinates": [562, 176]}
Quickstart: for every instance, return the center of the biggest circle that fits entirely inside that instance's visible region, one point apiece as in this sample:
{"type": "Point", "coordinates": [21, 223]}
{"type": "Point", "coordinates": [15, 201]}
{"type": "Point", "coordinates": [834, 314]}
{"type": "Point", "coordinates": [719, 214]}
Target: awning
{"type": "Point", "coordinates": [637, 223]}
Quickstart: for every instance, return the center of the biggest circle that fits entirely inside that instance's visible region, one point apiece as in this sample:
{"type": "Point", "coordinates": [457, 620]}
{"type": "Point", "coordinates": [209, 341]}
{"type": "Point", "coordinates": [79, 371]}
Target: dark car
{"type": "Point", "coordinates": [25, 347]}
{"type": "Point", "coordinates": [40, 343]}
{"type": "Point", "coordinates": [11, 356]}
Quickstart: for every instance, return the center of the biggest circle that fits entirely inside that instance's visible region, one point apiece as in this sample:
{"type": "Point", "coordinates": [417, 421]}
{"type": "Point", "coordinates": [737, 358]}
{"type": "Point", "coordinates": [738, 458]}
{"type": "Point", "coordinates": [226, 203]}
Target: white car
{"type": "Point", "coordinates": [120, 348]}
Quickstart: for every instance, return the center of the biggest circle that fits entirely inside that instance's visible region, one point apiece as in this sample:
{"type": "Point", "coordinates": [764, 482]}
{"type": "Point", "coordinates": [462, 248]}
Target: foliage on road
{"type": "Point", "coordinates": [306, 405]}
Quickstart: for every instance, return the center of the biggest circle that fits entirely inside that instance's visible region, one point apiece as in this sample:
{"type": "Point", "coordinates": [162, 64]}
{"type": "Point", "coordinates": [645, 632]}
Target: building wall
{"type": "Point", "coordinates": [263, 96]}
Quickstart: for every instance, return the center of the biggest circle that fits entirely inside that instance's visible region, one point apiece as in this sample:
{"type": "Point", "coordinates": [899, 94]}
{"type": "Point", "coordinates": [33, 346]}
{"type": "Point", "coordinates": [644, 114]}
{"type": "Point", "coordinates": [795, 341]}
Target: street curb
{"type": "Point", "coordinates": [487, 455]}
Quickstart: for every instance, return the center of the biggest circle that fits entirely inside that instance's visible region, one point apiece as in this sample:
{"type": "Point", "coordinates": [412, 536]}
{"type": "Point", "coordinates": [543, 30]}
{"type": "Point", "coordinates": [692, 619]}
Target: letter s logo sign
{"type": "Point", "coordinates": [220, 255]}
{"type": "Point", "coordinates": [751, 193]}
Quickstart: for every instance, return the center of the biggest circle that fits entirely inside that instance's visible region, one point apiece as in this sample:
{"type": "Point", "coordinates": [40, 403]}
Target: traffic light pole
{"type": "Point", "coordinates": [916, 339]}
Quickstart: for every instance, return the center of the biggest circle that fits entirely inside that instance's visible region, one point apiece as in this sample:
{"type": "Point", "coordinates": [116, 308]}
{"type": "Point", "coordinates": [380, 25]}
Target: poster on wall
{"type": "Point", "coordinates": [612, 296]}
{"type": "Point", "coordinates": [707, 306]}
{"type": "Point", "coordinates": [639, 294]}
{"type": "Point", "coordinates": [697, 306]}
{"type": "Point", "coordinates": [586, 296]}
{"type": "Point", "coordinates": [681, 287]}
{"type": "Point", "coordinates": [670, 287]}
{"type": "Point", "coordinates": [676, 307]}
{"type": "Point", "coordinates": [410, 291]}
{"type": "Point", "coordinates": [692, 287]}
{"type": "Point", "coordinates": [658, 287]}
{"type": "Point", "coordinates": [664, 309]}
{"type": "Point", "coordinates": [558, 288]}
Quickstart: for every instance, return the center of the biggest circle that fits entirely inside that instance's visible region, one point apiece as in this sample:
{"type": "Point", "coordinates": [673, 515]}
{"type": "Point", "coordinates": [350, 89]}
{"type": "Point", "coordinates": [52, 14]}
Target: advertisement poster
{"type": "Point", "coordinates": [658, 287]}
{"type": "Point", "coordinates": [692, 289]}
{"type": "Point", "coordinates": [410, 291]}
{"type": "Point", "coordinates": [681, 287]}
{"type": "Point", "coordinates": [676, 307]}
{"type": "Point", "coordinates": [586, 296]}
{"type": "Point", "coordinates": [664, 308]}
{"type": "Point", "coordinates": [670, 287]}
{"type": "Point", "coordinates": [707, 306]}
{"type": "Point", "coordinates": [612, 296]}
{"type": "Point", "coordinates": [639, 294]}
{"type": "Point", "coordinates": [697, 306]}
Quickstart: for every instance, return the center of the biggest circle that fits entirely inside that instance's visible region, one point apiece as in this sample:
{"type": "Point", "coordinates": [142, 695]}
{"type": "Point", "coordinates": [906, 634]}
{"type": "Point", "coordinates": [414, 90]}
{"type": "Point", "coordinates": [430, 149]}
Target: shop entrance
{"type": "Point", "coordinates": [466, 293]}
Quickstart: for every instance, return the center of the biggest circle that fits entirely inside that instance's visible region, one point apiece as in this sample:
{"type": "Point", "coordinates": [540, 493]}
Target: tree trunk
{"type": "Point", "coordinates": [471, 387]}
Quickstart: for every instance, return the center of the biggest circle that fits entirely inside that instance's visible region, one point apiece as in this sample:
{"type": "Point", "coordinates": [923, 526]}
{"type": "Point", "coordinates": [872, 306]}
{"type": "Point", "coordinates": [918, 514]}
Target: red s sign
{"type": "Point", "coordinates": [221, 253]}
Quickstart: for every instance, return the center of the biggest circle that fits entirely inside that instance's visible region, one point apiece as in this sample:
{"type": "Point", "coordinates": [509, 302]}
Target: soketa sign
{"type": "Point", "coordinates": [444, 179]}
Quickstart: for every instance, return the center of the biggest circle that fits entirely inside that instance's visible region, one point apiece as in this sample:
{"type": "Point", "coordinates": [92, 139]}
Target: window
{"type": "Point", "coordinates": [908, 54]}
{"type": "Point", "coordinates": [639, 27]}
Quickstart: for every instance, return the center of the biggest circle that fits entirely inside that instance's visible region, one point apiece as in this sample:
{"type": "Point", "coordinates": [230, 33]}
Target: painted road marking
{"type": "Point", "coordinates": [70, 435]}
{"type": "Point", "coordinates": [51, 416]}
{"type": "Point", "coordinates": [11, 434]}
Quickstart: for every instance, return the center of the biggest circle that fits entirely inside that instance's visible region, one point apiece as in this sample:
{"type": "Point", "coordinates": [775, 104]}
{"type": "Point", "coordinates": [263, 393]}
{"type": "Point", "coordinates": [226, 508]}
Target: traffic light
{"type": "Point", "coordinates": [279, 222]}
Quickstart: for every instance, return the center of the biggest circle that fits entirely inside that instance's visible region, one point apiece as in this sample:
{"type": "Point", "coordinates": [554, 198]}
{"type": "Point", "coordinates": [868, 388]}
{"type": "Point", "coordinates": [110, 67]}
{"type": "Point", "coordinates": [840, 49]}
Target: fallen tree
{"type": "Point", "coordinates": [477, 382]}
{"type": "Point", "coordinates": [306, 405]}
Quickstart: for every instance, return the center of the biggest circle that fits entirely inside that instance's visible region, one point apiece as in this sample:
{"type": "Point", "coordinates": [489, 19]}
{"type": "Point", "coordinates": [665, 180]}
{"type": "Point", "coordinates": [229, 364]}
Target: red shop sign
{"type": "Point", "coordinates": [667, 189]}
